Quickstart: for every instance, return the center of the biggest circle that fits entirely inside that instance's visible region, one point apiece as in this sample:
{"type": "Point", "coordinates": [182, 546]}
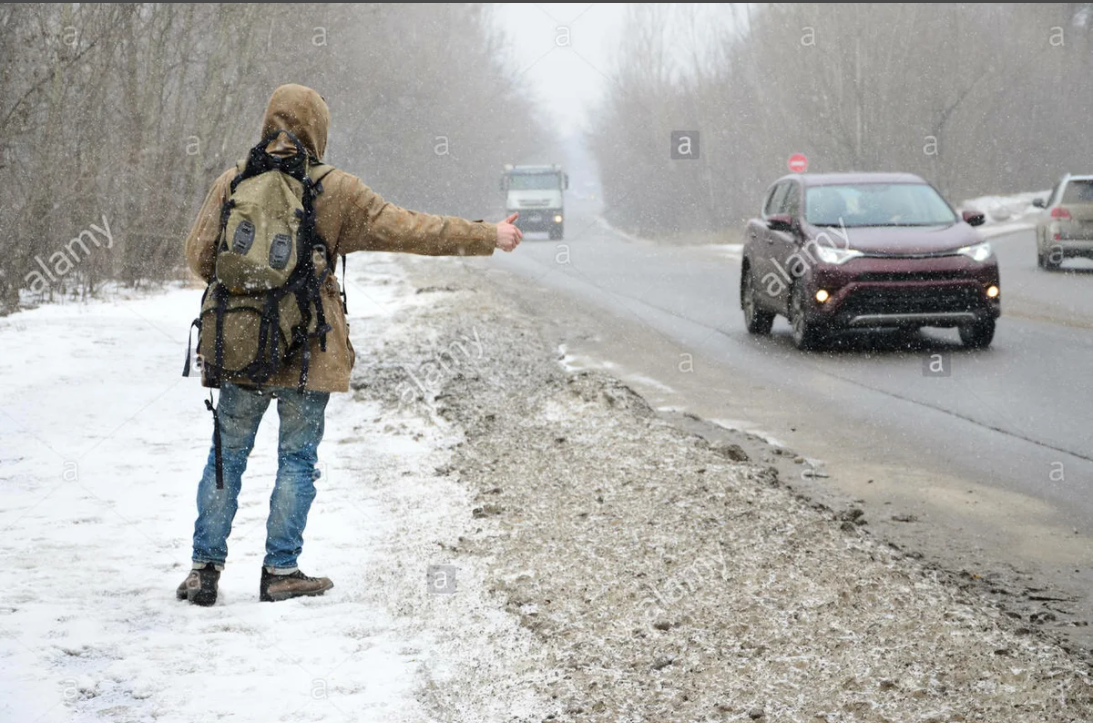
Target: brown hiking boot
{"type": "Point", "coordinates": [274, 588]}
{"type": "Point", "coordinates": [200, 586]}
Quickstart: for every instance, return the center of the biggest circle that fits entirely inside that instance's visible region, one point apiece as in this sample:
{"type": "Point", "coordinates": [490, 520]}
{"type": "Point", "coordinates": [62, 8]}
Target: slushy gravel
{"type": "Point", "coordinates": [664, 580]}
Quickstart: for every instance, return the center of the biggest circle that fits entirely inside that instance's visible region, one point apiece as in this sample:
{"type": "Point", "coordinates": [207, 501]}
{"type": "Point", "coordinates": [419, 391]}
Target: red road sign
{"type": "Point", "coordinates": [798, 163]}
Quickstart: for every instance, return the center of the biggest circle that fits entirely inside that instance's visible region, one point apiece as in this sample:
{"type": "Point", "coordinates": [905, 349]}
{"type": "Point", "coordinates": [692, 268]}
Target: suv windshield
{"type": "Point", "coordinates": [877, 204]}
{"type": "Point", "coordinates": [534, 181]}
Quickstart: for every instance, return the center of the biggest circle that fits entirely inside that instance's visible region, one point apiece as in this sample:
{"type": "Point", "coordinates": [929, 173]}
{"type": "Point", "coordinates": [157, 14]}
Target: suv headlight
{"type": "Point", "coordinates": [832, 255]}
{"type": "Point", "coordinates": [979, 252]}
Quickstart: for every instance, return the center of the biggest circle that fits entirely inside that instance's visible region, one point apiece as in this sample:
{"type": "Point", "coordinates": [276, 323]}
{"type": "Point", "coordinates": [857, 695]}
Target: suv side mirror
{"type": "Point", "coordinates": [781, 222]}
{"type": "Point", "coordinates": [974, 218]}
{"type": "Point", "coordinates": [565, 181]}
{"type": "Point", "coordinates": [1039, 203]}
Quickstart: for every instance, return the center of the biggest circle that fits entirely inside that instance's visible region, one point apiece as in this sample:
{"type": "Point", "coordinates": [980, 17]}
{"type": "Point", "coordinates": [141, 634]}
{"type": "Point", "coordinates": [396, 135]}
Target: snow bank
{"type": "Point", "coordinates": [1000, 209]}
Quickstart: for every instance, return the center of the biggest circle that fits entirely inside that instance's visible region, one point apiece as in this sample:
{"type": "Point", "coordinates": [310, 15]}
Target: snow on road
{"type": "Point", "coordinates": [101, 446]}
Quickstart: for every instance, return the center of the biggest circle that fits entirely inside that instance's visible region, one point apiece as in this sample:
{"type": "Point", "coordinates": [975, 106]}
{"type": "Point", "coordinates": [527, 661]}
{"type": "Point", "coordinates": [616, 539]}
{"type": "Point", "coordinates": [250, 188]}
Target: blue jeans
{"type": "Point", "coordinates": [302, 420]}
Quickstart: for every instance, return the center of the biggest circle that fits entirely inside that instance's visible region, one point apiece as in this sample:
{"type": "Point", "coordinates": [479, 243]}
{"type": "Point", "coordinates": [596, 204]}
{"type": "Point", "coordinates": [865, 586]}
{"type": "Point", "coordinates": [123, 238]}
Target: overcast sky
{"type": "Point", "coordinates": [564, 51]}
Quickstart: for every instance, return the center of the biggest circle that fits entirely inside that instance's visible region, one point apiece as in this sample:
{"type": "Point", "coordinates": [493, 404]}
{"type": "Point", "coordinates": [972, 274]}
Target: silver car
{"type": "Point", "coordinates": [1064, 228]}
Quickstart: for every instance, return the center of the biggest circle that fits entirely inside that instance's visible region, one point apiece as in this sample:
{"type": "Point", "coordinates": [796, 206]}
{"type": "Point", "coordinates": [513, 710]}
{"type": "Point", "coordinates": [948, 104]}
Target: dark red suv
{"type": "Point", "coordinates": [860, 250]}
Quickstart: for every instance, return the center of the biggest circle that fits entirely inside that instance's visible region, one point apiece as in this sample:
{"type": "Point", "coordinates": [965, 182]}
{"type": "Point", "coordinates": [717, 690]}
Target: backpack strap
{"type": "Point", "coordinates": [345, 299]}
{"type": "Point", "coordinates": [317, 173]}
{"type": "Point", "coordinates": [190, 345]}
{"type": "Point", "coordinates": [308, 292]}
{"type": "Point", "coordinates": [221, 294]}
{"type": "Point", "coordinates": [218, 448]}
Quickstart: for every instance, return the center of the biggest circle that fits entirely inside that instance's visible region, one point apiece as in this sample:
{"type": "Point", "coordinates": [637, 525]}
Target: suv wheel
{"type": "Point", "coordinates": [807, 335]}
{"type": "Point", "coordinates": [977, 335]}
{"type": "Point", "coordinates": [1044, 255]}
{"type": "Point", "coordinates": [757, 320]}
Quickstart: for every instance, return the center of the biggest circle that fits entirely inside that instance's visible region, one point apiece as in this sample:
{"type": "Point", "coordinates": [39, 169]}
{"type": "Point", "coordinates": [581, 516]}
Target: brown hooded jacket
{"type": "Point", "coordinates": [349, 217]}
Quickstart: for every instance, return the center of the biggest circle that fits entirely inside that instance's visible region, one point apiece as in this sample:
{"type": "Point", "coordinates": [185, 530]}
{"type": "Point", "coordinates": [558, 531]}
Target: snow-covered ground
{"type": "Point", "coordinates": [101, 446]}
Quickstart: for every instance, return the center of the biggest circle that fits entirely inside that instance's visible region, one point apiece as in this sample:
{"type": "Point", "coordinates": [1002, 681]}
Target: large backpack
{"type": "Point", "coordinates": [263, 305]}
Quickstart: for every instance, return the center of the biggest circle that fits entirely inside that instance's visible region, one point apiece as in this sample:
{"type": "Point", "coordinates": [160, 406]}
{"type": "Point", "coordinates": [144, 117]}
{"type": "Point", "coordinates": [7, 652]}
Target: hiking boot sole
{"type": "Point", "coordinates": [288, 595]}
{"type": "Point", "coordinates": [202, 598]}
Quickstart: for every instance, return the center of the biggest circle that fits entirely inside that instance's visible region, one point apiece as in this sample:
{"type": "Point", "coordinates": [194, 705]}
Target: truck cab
{"type": "Point", "coordinates": [535, 192]}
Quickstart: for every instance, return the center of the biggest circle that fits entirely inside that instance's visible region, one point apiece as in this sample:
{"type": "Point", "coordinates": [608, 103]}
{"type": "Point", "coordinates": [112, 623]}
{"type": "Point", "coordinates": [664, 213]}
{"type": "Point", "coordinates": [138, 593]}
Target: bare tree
{"type": "Point", "coordinates": [121, 115]}
{"type": "Point", "coordinates": [976, 98]}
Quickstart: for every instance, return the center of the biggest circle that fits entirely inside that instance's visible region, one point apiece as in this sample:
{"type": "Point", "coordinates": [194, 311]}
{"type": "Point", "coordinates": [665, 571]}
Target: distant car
{"type": "Point", "coordinates": [1064, 228]}
{"type": "Point", "coordinates": [863, 250]}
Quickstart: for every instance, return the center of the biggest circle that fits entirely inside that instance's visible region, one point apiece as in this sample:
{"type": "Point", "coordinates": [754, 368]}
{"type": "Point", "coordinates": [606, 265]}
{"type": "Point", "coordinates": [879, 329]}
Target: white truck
{"type": "Point", "coordinates": [535, 192]}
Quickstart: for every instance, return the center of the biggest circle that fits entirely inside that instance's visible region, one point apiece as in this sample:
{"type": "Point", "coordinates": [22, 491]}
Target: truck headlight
{"type": "Point", "coordinates": [831, 255]}
{"type": "Point", "coordinates": [979, 252]}
{"type": "Point", "coordinates": [557, 218]}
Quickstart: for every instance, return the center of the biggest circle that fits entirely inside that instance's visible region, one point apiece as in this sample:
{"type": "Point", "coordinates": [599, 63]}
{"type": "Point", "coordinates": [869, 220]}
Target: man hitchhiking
{"type": "Point", "coordinates": [272, 323]}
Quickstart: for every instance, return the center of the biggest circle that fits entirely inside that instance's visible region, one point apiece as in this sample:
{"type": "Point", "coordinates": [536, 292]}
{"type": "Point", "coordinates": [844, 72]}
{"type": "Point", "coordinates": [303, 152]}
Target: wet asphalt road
{"type": "Point", "coordinates": [1015, 417]}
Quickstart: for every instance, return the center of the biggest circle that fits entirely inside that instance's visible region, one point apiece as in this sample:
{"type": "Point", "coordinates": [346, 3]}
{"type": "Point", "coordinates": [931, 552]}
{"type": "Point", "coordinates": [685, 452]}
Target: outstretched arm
{"type": "Point", "coordinates": [373, 224]}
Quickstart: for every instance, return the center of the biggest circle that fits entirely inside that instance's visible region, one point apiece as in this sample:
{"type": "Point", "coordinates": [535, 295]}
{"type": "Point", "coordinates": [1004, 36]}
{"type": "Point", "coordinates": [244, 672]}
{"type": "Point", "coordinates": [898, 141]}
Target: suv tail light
{"type": "Point", "coordinates": [1060, 212]}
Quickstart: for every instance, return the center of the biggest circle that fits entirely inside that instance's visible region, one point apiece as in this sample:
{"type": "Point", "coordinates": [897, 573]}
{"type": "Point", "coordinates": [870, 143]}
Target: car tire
{"type": "Point", "coordinates": [977, 335]}
{"type": "Point", "coordinates": [1043, 257]}
{"type": "Point", "coordinates": [807, 335]}
{"type": "Point", "coordinates": [556, 233]}
{"type": "Point", "coordinates": [757, 320]}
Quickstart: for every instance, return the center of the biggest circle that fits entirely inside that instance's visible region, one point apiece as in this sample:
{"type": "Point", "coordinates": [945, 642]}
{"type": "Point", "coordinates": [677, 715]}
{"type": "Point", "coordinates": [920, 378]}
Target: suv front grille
{"type": "Point", "coordinates": [913, 300]}
{"type": "Point", "coordinates": [948, 275]}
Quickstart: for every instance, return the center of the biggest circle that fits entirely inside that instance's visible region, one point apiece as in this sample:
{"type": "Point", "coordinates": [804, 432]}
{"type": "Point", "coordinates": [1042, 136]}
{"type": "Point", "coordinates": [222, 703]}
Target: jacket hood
{"type": "Point", "coordinates": [300, 111]}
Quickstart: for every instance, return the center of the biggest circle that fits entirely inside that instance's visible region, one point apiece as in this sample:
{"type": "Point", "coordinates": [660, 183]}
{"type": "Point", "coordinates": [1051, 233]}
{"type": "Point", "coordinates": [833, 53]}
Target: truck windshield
{"type": "Point", "coordinates": [877, 204]}
{"type": "Point", "coordinates": [533, 181]}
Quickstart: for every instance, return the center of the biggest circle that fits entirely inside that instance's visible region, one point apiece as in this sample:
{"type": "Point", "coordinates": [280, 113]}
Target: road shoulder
{"type": "Point", "coordinates": [667, 578]}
